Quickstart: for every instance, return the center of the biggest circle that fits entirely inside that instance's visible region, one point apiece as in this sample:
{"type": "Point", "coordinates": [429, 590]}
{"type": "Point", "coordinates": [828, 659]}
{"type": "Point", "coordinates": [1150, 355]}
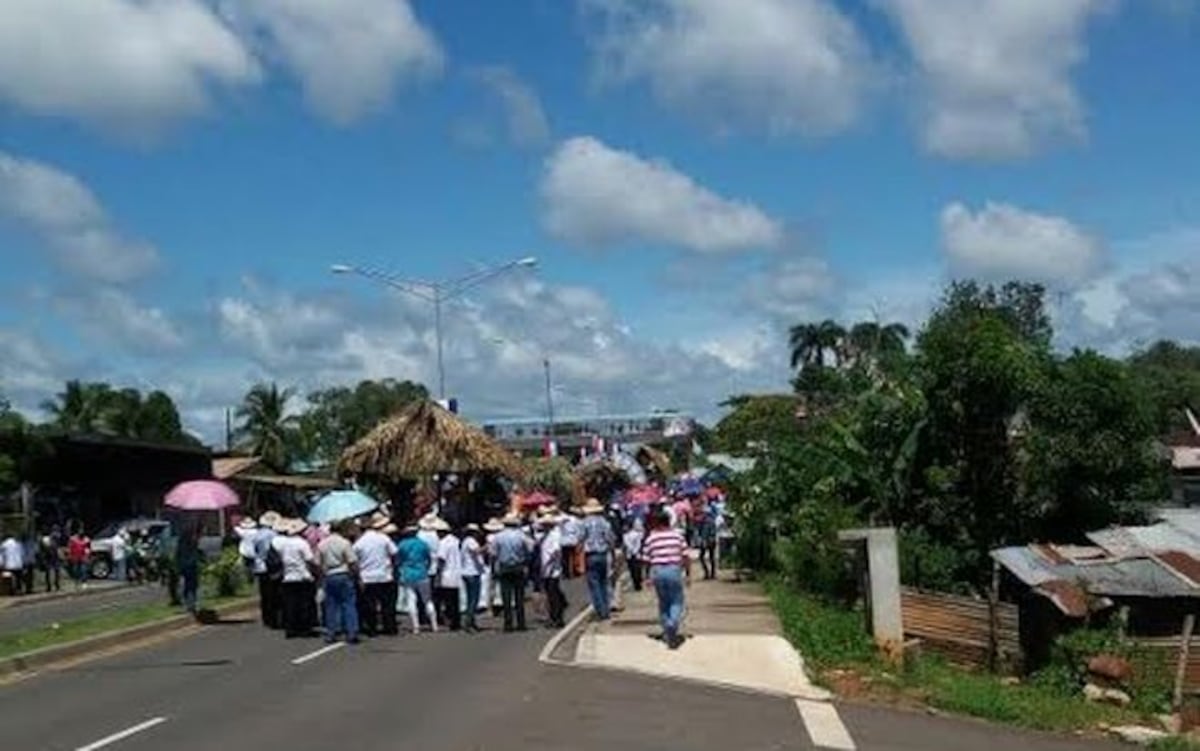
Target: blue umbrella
{"type": "Point", "coordinates": [339, 505]}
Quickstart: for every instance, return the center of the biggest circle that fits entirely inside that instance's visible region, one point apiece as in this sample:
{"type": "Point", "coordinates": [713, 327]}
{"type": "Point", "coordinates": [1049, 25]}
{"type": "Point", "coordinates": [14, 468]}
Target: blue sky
{"type": "Point", "coordinates": [176, 177]}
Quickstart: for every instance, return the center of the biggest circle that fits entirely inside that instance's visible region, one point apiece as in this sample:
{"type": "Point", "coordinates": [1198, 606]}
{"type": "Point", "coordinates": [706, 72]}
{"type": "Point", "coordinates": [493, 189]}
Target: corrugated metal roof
{"type": "Point", "coordinates": [1132, 577]}
{"type": "Point", "coordinates": [1127, 541]}
{"type": "Point", "coordinates": [1025, 564]}
{"type": "Point", "coordinates": [1186, 520]}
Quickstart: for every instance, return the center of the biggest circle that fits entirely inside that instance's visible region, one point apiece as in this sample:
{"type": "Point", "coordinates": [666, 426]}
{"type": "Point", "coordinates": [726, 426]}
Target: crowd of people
{"type": "Point", "coordinates": [362, 577]}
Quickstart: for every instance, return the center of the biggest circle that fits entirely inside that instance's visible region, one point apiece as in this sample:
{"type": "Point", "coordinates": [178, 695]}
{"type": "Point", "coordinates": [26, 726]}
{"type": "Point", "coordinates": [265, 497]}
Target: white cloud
{"type": "Point", "coordinates": [524, 116]}
{"type": "Point", "coordinates": [29, 371]}
{"type": "Point", "coordinates": [1003, 242]}
{"type": "Point", "coordinates": [793, 290]}
{"type": "Point", "coordinates": [778, 66]}
{"type": "Point", "coordinates": [349, 55]}
{"type": "Point", "coordinates": [112, 315]}
{"type": "Point", "coordinates": [134, 63]}
{"type": "Point", "coordinates": [995, 75]}
{"type": "Point", "coordinates": [61, 211]}
{"type": "Point", "coordinates": [596, 195]}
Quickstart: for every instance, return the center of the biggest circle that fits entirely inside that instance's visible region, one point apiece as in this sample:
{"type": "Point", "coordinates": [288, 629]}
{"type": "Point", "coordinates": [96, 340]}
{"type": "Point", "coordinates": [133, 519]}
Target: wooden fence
{"type": "Point", "coordinates": [963, 629]}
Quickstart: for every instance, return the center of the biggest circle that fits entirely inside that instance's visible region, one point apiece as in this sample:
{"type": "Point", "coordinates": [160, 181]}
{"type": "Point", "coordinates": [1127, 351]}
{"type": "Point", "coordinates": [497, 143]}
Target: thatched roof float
{"type": "Point", "coordinates": [425, 439]}
{"type": "Point", "coordinates": [600, 479]}
{"type": "Point", "coordinates": [655, 460]}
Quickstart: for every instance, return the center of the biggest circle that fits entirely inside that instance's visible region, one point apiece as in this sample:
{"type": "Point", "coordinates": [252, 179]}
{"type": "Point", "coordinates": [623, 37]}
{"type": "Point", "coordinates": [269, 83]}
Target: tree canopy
{"type": "Point", "coordinates": [978, 437]}
{"type": "Point", "coordinates": [98, 408]}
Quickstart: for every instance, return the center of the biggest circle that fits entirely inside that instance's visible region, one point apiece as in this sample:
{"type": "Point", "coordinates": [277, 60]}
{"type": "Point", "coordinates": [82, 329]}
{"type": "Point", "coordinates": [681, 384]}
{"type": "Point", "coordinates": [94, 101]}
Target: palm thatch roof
{"type": "Point", "coordinates": [600, 479]}
{"type": "Point", "coordinates": [425, 439]}
{"type": "Point", "coordinates": [656, 460]}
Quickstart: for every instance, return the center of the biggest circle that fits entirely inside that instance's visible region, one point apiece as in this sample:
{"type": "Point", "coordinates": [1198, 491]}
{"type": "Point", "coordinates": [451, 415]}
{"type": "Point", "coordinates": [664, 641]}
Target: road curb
{"type": "Point", "coordinates": [547, 654]}
{"type": "Point", "coordinates": [29, 601]}
{"type": "Point", "coordinates": [50, 656]}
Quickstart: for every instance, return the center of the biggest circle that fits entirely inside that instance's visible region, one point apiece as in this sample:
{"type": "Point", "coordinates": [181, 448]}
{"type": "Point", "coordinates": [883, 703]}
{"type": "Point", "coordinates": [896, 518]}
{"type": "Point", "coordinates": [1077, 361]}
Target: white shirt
{"type": "Point", "coordinates": [430, 538]}
{"type": "Point", "coordinates": [376, 553]}
{"type": "Point", "coordinates": [12, 555]}
{"type": "Point", "coordinates": [450, 557]}
{"type": "Point", "coordinates": [552, 554]}
{"type": "Point", "coordinates": [246, 538]}
{"type": "Point", "coordinates": [472, 558]}
{"type": "Point", "coordinates": [119, 546]}
{"type": "Point", "coordinates": [296, 555]}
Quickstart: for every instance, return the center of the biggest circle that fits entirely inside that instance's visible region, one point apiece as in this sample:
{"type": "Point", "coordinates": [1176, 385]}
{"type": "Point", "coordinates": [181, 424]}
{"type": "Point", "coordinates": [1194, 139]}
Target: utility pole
{"type": "Point", "coordinates": [549, 400]}
{"type": "Point", "coordinates": [228, 430]}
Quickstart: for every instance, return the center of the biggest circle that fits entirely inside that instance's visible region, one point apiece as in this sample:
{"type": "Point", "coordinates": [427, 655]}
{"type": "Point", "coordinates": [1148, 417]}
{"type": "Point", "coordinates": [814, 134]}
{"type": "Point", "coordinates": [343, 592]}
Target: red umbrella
{"type": "Point", "coordinates": [536, 499]}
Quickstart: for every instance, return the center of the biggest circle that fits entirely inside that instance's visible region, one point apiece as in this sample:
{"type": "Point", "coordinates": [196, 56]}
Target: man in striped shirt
{"type": "Point", "coordinates": [665, 551]}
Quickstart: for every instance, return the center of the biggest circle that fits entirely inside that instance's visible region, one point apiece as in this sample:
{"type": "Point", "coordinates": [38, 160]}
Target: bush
{"type": "Point", "coordinates": [225, 576]}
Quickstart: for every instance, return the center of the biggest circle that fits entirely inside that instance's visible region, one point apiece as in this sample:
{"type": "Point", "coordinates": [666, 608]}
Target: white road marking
{"type": "Point", "coordinates": [318, 653]}
{"type": "Point", "coordinates": [109, 740]}
{"type": "Point", "coordinates": [824, 725]}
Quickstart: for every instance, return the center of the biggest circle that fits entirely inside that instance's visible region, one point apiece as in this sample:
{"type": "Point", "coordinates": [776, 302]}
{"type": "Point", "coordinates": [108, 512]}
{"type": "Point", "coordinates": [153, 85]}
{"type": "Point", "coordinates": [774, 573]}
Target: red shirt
{"type": "Point", "coordinates": [77, 549]}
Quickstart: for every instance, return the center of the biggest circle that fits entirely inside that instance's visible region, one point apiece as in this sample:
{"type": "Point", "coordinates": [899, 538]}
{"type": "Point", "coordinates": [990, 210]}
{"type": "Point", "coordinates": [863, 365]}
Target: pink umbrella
{"type": "Point", "coordinates": [202, 495]}
{"type": "Point", "coordinates": [643, 495]}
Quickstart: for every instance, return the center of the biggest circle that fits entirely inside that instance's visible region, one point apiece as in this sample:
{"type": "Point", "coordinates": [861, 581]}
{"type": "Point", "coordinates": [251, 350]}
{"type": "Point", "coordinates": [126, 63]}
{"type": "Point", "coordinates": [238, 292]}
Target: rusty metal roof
{"type": "Point", "coordinates": [227, 467]}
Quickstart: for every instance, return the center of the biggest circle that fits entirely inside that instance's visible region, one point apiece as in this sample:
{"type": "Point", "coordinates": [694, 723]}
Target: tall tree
{"type": "Point", "coordinates": [79, 408]}
{"type": "Point", "coordinates": [832, 338]}
{"type": "Point", "coordinates": [265, 427]}
{"type": "Point", "coordinates": [805, 341]}
{"type": "Point", "coordinates": [1169, 373]}
{"type": "Point", "coordinates": [981, 355]}
{"type": "Point", "coordinates": [337, 417]}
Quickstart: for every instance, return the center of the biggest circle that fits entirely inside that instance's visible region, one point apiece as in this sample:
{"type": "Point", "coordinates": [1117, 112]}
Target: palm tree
{"type": "Point", "coordinates": [806, 345]}
{"type": "Point", "coordinates": [832, 338]}
{"type": "Point", "coordinates": [80, 407]}
{"type": "Point", "coordinates": [893, 339]}
{"type": "Point", "coordinates": [265, 426]}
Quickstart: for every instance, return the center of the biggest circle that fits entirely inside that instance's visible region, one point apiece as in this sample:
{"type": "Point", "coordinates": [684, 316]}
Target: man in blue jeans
{"type": "Point", "coordinates": [598, 542]}
{"type": "Point", "coordinates": [339, 564]}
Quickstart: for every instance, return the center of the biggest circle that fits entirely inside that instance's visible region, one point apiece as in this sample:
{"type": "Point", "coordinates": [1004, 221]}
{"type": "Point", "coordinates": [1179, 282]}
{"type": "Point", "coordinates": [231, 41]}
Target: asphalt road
{"type": "Point", "coordinates": [237, 687]}
{"type": "Point", "coordinates": [37, 615]}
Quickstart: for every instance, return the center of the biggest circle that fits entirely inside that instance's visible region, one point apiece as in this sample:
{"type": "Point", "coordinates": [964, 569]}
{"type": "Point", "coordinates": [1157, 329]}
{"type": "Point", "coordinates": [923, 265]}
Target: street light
{"type": "Point", "coordinates": [549, 389]}
{"type": "Point", "coordinates": [436, 293]}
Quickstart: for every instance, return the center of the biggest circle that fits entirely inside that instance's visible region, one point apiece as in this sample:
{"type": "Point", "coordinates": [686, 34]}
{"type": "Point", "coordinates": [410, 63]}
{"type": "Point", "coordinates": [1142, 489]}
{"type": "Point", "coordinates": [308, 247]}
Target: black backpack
{"type": "Point", "coordinates": [274, 564]}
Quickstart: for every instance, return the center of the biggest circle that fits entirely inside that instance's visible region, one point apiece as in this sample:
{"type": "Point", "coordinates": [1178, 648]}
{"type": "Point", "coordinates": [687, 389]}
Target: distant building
{"type": "Point", "coordinates": [574, 433]}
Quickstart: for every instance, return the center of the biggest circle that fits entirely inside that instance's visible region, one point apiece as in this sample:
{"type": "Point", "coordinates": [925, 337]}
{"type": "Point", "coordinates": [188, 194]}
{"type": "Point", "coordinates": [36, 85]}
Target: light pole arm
{"type": "Point", "coordinates": [459, 286]}
{"type": "Point", "coordinates": [424, 290]}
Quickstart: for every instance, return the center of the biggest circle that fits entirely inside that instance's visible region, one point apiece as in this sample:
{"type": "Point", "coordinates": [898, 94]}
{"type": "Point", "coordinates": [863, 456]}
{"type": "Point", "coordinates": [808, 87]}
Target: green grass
{"type": "Point", "coordinates": [830, 638]}
{"type": "Point", "coordinates": [82, 628]}
{"type": "Point", "coordinates": [76, 629]}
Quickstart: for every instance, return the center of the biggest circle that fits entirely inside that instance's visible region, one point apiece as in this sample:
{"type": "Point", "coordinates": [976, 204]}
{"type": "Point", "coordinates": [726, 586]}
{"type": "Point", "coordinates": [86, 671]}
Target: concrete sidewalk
{"type": "Point", "coordinates": [734, 641]}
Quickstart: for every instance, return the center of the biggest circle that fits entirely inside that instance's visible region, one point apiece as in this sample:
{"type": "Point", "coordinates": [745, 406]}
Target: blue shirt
{"type": "Point", "coordinates": [510, 548]}
{"type": "Point", "coordinates": [598, 534]}
{"type": "Point", "coordinates": [413, 558]}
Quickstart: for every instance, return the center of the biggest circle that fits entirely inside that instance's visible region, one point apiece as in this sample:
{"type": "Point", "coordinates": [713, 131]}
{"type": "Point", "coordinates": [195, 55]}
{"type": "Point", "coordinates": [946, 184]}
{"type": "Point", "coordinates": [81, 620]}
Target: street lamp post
{"type": "Point", "coordinates": [549, 399]}
{"type": "Point", "coordinates": [436, 293]}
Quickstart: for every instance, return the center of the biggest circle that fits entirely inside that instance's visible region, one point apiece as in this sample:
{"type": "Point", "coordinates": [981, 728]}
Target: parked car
{"type": "Point", "coordinates": [101, 565]}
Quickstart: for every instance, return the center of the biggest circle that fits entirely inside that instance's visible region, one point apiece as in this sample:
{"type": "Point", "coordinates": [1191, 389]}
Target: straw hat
{"type": "Point", "coordinates": [441, 525]}
{"type": "Point", "coordinates": [548, 520]}
{"type": "Point", "coordinates": [493, 525]}
{"type": "Point", "coordinates": [247, 523]}
{"type": "Point", "coordinates": [269, 519]}
{"type": "Point", "coordinates": [410, 529]}
{"type": "Point", "coordinates": [428, 522]}
{"type": "Point", "coordinates": [472, 527]}
{"type": "Point", "coordinates": [592, 507]}
{"type": "Point", "coordinates": [281, 525]}
{"type": "Point", "coordinates": [391, 529]}
{"type": "Point", "coordinates": [511, 520]}
{"type": "Point", "coordinates": [379, 521]}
